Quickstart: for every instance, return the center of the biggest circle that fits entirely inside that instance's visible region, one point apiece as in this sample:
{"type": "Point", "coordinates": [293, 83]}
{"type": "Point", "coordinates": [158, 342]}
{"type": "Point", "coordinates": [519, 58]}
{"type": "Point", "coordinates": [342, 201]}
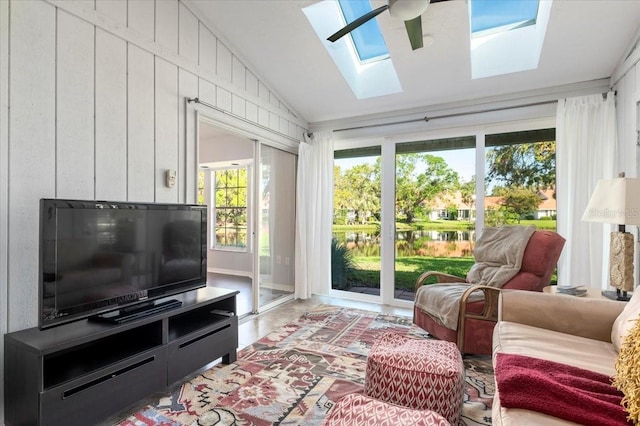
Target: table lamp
{"type": "Point", "coordinates": [617, 201]}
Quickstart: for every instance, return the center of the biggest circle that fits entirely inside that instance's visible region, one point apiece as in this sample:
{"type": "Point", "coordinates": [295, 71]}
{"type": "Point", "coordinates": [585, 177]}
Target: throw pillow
{"type": "Point", "coordinates": [627, 378]}
{"type": "Point", "coordinates": [625, 321]}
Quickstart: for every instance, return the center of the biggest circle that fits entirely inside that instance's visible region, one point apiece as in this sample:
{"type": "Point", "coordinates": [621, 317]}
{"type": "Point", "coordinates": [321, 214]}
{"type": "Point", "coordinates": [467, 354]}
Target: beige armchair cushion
{"type": "Point", "coordinates": [625, 321]}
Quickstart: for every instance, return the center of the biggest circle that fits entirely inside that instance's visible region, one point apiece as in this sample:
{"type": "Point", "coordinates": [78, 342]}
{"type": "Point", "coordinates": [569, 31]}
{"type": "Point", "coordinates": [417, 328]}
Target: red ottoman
{"type": "Point", "coordinates": [359, 410]}
{"type": "Point", "coordinates": [415, 373]}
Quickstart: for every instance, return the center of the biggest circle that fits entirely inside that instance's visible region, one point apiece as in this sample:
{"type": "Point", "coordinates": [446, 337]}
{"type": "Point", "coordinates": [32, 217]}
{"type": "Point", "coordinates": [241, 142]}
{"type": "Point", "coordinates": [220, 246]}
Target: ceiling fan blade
{"type": "Point", "coordinates": [414, 31]}
{"type": "Point", "coordinates": [355, 24]}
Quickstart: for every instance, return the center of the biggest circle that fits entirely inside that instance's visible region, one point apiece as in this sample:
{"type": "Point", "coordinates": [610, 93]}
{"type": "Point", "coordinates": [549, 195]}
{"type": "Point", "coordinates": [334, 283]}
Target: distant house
{"type": "Point", "coordinates": [548, 206]}
{"type": "Point", "coordinates": [440, 207]}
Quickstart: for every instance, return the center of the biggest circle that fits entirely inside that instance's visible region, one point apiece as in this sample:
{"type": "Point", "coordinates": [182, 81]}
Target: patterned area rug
{"type": "Point", "coordinates": [296, 374]}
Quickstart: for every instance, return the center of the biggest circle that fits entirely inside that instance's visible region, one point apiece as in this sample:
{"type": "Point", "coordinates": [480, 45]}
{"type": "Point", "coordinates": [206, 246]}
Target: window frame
{"type": "Point", "coordinates": [248, 209]}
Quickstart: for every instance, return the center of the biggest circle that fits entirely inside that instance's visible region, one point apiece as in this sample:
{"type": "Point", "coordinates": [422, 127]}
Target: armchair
{"type": "Point", "coordinates": [477, 315]}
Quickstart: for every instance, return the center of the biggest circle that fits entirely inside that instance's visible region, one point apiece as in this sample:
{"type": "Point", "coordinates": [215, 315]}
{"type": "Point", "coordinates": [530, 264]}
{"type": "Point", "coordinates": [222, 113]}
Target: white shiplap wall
{"type": "Point", "coordinates": [93, 98]}
{"type": "Point", "coordinates": [32, 149]}
{"type": "Point", "coordinates": [111, 118]}
{"type": "Point", "coordinates": [96, 101]}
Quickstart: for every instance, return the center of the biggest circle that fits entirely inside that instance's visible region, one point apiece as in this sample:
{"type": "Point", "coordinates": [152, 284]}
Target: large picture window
{"type": "Point", "coordinates": [436, 201]}
{"type": "Point", "coordinates": [230, 213]}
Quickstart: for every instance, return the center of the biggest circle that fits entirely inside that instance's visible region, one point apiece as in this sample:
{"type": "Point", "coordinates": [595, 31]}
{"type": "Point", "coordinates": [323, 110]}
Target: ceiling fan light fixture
{"type": "Point", "coordinates": [407, 9]}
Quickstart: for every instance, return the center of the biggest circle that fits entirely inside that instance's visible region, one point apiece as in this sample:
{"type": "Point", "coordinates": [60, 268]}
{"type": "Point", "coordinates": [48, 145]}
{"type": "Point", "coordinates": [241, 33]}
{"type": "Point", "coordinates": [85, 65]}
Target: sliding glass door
{"type": "Point", "coordinates": [521, 178]}
{"type": "Point", "coordinates": [355, 246]}
{"type": "Point", "coordinates": [275, 226]}
{"type": "Point", "coordinates": [407, 207]}
{"type": "Point", "coordinates": [249, 188]}
{"type": "Point", "coordinates": [435, 183]}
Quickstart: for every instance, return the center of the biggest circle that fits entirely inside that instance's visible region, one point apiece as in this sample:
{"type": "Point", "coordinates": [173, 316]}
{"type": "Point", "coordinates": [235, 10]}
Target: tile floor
{"type": "Point", "coordinates": [244, 299]}
{"type": "Point", "coordinates": [253, 327]}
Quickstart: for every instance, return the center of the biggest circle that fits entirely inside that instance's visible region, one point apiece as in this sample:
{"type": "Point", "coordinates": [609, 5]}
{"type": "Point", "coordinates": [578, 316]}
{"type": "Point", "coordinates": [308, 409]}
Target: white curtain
{"type": "Point", "coordinates": [314, 211]}
{"type": "Point", "coordinates": [586, 151]}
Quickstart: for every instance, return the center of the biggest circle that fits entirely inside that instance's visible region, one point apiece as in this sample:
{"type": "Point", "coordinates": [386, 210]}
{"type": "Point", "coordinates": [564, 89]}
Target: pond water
{"type": "Point", "coordinates": [453, 243]}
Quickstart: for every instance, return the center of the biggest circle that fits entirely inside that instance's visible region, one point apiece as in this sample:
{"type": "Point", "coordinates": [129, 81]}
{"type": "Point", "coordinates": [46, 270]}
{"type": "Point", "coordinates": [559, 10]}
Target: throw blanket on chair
{"type": "Point", "coordinates": [559, 390]}
{"type": "Point", "coordinates": [498, 254]}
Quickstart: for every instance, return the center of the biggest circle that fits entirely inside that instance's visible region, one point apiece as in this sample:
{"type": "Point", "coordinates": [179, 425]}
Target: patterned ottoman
{"type": "Point", "coordinates": [414, 373]}
{"type": "Point", "coordinates": [358, 410]}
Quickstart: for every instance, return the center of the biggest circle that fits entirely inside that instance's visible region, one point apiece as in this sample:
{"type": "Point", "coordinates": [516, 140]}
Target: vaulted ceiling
{"type": "Point", "coordinates": [585, 41]}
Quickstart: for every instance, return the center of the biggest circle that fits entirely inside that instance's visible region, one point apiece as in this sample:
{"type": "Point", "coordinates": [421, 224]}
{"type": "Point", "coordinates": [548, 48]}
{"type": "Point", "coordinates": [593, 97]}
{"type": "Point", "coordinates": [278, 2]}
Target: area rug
{"type": "Point", "coordinates": [296, 374]}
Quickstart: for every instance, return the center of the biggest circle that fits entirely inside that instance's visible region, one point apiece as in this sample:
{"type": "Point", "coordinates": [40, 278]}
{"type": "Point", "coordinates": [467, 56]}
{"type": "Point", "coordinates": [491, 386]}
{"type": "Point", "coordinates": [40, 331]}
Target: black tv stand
{"type": "Point", "coordinates": [131, 313]}
{"type": "Point", "coordinates": [83, 372]}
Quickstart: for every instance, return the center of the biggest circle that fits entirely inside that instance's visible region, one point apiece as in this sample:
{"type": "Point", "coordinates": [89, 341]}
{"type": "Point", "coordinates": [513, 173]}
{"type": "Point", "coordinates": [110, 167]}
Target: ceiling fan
{"type": "Point", "coordinates": [410, 11]}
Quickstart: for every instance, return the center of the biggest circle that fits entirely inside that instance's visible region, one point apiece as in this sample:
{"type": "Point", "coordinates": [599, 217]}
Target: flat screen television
{"type": "Point", "coordinates": [100, 256]}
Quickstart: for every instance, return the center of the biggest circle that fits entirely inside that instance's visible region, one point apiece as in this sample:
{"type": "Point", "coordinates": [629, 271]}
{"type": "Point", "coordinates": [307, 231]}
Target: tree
{"type": "Point", "coordinates": [231, 206]}
{"type": "Point", "coordinates": [358, 189]}
{"type": "Point", "coordinates": [342, 264]}
{"type": "Point", "coordinates": [468, 193]}
{"type": "Point", "coordinates": [530, 165]}
{"type": "Point", "coordinates": [201, 176]}
{"type": "Point", "coordinates": [499, 216]}
{"type": "Point", "coordinates": [341, 196]}
{"type": "Point", "coordinates": [452, 212]}
{"type": "Point", "coordinates": [520, 201]}
{"type": "Point", "coordinates": [414, 188]}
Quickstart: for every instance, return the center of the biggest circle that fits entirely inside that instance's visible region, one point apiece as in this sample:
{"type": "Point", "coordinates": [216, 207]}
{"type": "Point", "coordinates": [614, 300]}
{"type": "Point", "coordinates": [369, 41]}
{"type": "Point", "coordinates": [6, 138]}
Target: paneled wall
{"type": "Point", "coordinates": [97, 111]}
{"type": "Point", "coordinates": [93, 97]}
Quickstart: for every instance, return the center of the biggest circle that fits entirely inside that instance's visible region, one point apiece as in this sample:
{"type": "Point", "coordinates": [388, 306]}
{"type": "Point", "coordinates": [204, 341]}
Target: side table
{"type": "Point", "coordinates": [591, 292]}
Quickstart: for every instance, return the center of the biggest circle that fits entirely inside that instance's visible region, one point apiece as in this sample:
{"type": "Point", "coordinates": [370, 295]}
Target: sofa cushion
{"type": "Point", "coordinates": [501, 416]}
{"type": "Point", "coordinates": [625, 321]}
{"type": "Point", "coordinates": [558, 389]}
{"type": "Point", "coordinates": [521, 339]}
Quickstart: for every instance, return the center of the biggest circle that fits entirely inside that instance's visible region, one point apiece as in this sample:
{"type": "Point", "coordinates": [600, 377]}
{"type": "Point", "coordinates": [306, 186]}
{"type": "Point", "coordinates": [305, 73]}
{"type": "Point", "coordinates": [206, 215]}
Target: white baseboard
{"type": "Point", "coordinates": [276, 286]}
{"type": "Point", "coordinates": [265, 283]}
{"type": "Point", "coordinates": [230, 272]}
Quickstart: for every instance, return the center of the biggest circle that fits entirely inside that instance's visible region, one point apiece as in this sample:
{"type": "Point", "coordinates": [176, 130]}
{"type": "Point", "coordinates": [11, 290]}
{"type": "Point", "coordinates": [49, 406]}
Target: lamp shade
{"type": "Point", "coordinates": [615, 201]}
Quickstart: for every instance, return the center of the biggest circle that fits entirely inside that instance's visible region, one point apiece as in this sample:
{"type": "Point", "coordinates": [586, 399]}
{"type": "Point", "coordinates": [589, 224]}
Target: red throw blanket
{"type": "Point", "coordinates": [560, 390]}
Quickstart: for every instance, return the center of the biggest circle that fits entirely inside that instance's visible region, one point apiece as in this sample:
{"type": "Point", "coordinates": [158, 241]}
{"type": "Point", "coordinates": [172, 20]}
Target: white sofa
{"type": "Point", "coordinates": [578, 331]}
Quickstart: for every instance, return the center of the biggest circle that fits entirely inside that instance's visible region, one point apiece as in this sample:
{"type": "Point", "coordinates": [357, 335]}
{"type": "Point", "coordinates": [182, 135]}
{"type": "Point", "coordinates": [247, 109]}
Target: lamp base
{"type": "Point", "coordinates": [622, 296]}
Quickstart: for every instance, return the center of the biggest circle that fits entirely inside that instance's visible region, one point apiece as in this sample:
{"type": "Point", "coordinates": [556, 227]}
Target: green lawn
{"type": "Point", "coordinates": [461, 225]}
{"type": "Point", "coordinates": [541, 224]}
{"type": "Point", "coordinates": [408, 269]}
{"type": "Point", "coordinates": [437, 225]}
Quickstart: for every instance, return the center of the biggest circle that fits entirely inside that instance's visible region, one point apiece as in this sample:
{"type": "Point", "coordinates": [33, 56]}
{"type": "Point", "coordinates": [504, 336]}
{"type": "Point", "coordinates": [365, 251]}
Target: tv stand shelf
{"type": "Point", "coordinates": [83, 372]}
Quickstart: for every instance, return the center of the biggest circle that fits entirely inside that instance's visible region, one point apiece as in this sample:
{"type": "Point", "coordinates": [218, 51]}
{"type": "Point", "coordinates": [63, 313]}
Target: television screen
{"type": "Point", "coordinates": [99, 256]}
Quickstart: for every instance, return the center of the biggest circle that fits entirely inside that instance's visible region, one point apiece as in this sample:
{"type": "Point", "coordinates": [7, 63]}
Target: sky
{"type": "Point", "coordinates": [462, 161]}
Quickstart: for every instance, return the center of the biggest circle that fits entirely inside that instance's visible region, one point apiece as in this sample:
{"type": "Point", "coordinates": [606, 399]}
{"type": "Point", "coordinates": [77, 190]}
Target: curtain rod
{"type": "Point", "coordinates": [198, 101]}
{"type": "Point", "coordinates": [435, 117]}
{"type": "Point", "coordinates": [457, 114]}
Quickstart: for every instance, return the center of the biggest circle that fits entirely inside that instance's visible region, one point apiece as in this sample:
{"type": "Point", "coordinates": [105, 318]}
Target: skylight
{"type": "Point", "coordinates": [506, 35]}
{"type": "Point", "coordinates": [502, 15]}
{"type": "Point", "coordinates": [367, 38]}
{"type": "Point", "coordinates": [367, 69]}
